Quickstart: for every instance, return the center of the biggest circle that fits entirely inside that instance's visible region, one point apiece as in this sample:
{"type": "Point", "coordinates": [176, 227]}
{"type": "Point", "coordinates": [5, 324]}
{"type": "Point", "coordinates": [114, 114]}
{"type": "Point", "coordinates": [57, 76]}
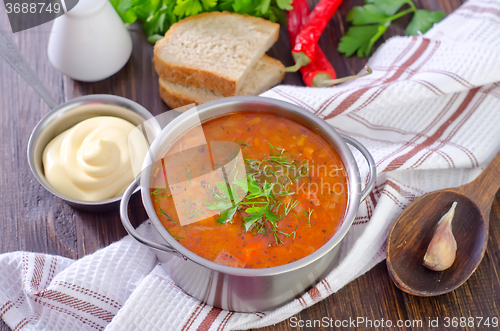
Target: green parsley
{"type": "Point", "coordinates": [157, 16]}
{"type": "Point", "coordinates": [261, 204]}
{"type": "Point", "coordinates": [227, 215]}
{"type": "Point", "coordinates": [372, 20]}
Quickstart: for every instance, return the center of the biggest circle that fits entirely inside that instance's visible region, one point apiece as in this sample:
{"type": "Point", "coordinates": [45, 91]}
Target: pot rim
{"type": "Point", "coordinates": [353, 179]}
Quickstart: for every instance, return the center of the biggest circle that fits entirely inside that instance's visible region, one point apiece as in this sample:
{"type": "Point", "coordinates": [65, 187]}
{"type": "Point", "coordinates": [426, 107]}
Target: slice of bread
{"type": "Point", "coordinates": [214, 50]}
{"type": "Point", "coordinates": [265, 74]}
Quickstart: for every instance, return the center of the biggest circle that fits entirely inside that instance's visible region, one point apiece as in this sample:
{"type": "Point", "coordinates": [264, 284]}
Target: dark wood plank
{"type": "Point", "coordinates": [31, 219]}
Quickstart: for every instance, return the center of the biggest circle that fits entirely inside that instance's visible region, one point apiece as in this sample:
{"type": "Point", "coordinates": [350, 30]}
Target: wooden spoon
{"type": "Point", "coordinates": [411, 233]}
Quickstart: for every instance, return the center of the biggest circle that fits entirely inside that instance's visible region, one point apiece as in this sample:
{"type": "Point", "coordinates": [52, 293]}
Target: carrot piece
{"type": "Point", "coordinates": [308, 151]}
{"type": "Point", "coordinates": [255, 120]}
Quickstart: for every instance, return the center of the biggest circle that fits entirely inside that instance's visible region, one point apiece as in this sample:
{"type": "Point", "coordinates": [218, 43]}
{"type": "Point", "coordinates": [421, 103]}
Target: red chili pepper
{"type": "Point", "coordinates": [320, 67]}
{"type": "Point", "coordinates": [320, 72]}
{"type": "Point", "coordinates": [296, 18]}
{"type": "Point", "coordinates": [307, 38]}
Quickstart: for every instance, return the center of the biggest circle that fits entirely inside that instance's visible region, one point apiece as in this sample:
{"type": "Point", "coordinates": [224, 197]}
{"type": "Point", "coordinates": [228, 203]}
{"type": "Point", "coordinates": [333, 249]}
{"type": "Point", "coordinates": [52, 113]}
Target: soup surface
{"type": "Point", "coordinates": [297, 195]}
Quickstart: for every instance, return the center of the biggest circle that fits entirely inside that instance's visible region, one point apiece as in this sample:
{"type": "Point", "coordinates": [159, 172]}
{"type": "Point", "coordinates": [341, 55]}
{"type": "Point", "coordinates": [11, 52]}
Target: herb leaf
{"type": "Point", "coordinates": [270, 215]}
{"type": "Point", "coordinates": [220, 205]}
{"type": "Point", "coordinates": [372, 20]}
{"type": "Point", "coordinates": [242, 183]}
{"type": "Point", "coordinates": [158, 16]}
{"type": "Point", "coordinates": [253, 186]}
{"type": "Point", "coordinates": [242, 142]}
{"type": "Point", "coordinates": [290, 205]}
{"type": "Point", "coordinates": [376, 11]}
{"type": "Point", "coordinates": [163, 213]}
{"type": "Point", "coordinates": [367, 14]}
{"type": "Point", "coordinates": [154, 38]}
{"type": "Point", "coordinates": [155, 24]}
{"type": "Point", "coordinates": [242, 6]}
{"type": "Point", "coordinates": [226, 5]}
{"type": "Point", "coordinates": [308, 214]}
{"type": "Point", "coordinates": [267, 189]}
{"type": "Point", "coordinates": [250, 220]}
{"type": "Point", "coordinates": [264, 8]}
{"type": "Point", "coordinates": [284, 4]}
{"type": "Point", "coordinates": [261, 203]}
{"type": "Point", "coordinates": [389, 7]}
{"type": "Point", "coordinates": [423, 20]}
{"type": "Point", "coordinates": [176, 237]}
{"type": "Point", "coordinates": [187, 8]}
{"type": "Point", "coordinates": [227, 215]}
{"type": "Point", "coordinates": [124, 9]}
{"type": "Point", "coordinates": [357, 39]}
{"type": "Point", "coordinates": [253, 210]}
{"type": "Point", "coordinates": [223, 188]}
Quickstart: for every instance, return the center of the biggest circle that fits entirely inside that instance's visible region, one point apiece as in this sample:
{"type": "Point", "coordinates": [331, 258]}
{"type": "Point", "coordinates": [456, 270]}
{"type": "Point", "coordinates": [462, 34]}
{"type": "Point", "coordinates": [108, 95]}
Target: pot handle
{"type": "Point", "coordinates": [128, 226]}
{"type": "Point", "coordinates": [372, 169]}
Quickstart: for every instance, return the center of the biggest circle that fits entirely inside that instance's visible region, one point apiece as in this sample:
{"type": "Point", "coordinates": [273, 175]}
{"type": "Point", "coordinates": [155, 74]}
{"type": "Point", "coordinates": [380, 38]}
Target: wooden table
{"type": "Point", "coordinates": [34, 220]}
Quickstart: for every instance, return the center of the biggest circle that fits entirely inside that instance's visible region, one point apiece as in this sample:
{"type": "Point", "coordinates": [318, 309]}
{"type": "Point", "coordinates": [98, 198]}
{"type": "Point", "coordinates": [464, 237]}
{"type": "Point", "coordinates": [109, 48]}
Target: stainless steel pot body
{"type": "Point", "coordinates": [240, 289]}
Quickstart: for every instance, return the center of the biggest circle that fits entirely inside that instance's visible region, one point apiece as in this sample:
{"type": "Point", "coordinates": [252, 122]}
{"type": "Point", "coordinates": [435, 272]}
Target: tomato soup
{"type": "Point", "coordinates": [297, 195]}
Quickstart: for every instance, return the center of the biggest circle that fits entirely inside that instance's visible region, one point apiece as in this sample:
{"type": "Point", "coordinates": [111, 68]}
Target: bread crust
{"type": "Point", "coordinates": [174, 100]}
{"type": "Point", "coordinates": [198, 77]}
{"type": "Point", "coordinates": [276, 63]}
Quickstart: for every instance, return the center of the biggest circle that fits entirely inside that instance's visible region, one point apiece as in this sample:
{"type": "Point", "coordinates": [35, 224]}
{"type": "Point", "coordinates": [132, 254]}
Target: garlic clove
{"type": "Point", "coordinates": [442, 249]}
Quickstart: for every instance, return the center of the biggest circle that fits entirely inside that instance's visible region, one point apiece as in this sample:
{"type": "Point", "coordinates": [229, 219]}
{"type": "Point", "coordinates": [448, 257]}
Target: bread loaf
{"type": "Point", "coordinates": [215, 51]}
{"type": "Point", "coordinates": [265, 74]}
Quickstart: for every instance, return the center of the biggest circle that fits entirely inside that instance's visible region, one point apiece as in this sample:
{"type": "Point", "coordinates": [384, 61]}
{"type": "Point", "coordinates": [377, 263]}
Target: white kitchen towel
{"type": "Point", "coordinates": [429, 115]}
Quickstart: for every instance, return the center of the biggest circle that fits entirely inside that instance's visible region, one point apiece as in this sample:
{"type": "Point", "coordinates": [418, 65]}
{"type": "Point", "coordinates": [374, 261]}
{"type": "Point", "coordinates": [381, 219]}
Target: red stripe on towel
{"type": "Point", "coordinates": [400, 160]}
{"type": "Point", "coordinates": [209, 319]}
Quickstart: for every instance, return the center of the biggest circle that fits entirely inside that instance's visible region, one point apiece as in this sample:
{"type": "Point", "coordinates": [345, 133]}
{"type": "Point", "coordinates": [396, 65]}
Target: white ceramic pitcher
{"type": "Point", "coordinates": [90, 42]}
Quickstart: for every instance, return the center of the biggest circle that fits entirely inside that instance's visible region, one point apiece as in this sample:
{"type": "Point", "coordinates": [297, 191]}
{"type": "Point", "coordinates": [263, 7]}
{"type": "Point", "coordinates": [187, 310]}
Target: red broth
{"type": "Point", "coordinates": [309, 208]}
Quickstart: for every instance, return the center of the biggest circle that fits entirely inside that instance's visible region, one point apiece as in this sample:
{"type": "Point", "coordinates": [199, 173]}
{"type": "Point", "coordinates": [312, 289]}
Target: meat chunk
{"type": "Point", "coordinates": [311, 196]}
{"type": "Point", "coordinates": [225, 258]}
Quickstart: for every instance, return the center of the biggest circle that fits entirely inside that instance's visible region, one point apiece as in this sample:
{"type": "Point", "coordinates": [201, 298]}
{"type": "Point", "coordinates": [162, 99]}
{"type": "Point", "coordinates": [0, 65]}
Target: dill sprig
{"type": "Point", "coordinates": [290, 205]}
{"type": "Point", "coordinates": [261, 204]}
{"type": "Point", "coordinates": [243, 143]}
{"type": "Point", "coordinates": [176, 237]}
{"type": "Point", "coordinates": [308, 214]}
{"type": "Point", "coordinates": [163, 213]}
{"type": "Point", "coordinates": [160, 193]}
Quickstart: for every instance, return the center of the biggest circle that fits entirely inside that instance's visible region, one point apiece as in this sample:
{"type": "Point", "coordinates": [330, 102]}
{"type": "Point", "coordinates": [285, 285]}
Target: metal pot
{"type": "Point", "coordinates": [240, 289]}
{"type": "Point", "coordinates": [70, 113]}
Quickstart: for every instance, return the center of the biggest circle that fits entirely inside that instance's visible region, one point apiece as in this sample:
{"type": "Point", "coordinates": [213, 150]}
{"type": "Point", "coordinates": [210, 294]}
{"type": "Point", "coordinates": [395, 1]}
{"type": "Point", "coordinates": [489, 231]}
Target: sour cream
{"type": "Point", "coordinates": [91, 161]}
